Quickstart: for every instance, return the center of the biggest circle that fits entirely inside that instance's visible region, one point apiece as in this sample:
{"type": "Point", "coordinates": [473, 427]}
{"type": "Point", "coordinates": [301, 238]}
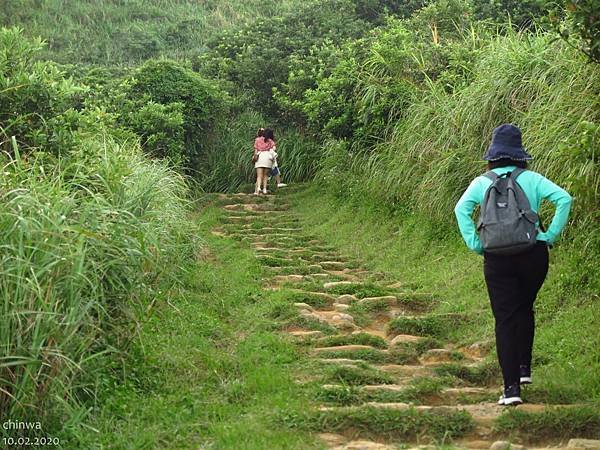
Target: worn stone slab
{"type": "Point", "coordinates": [287, 278]}
{"type": "Point", "coordinates": [340, 361]}
{"type": "Point", "coordinates": [405, 339]}
{"type": "Point", "coordinates": [404, 370]}
{"type": "Point", "coordinates": [436, 356]}
{"type": "Point", "coordinates": [334, 284]}
{"type": "Point", "coordinates": [343, 348]}
{"type": "Point", "coordinates": [364, 445]}
{"type": "Point", "coordinates": [505, 445]}
{"type": "Point", "coordinates": [346, 299]}
{"type": "Point", "coordinates": [306, 334]}
{"type": "Point", "coordinates": [478, 349]}
{"type": "Point", "coordinates": [304, 306]}
{"type": "Point", "coordinates": [584, 443]}
{"type": "Point", "coordinates": [390, 300]}
{"type": "Point", "coordinates": [333, 265]}
{"type": "Point", "coordinates": [332, 439]}
{"type": "Point", "coordinates": [341, 307]}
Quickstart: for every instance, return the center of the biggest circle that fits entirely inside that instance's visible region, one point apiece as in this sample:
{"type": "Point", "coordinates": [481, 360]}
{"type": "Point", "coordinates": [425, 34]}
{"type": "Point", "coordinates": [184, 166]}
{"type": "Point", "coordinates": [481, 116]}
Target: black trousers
{"type": "Point", "coordinates": [513, 283]}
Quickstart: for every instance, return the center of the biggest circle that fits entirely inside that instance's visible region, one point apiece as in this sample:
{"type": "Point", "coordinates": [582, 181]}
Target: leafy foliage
{"type": "Point", "coordinates": [193, 102]}
{"type": "Point", "coordinates": [257, 57]}
{"type": "Point", "coordinates": [584, 23]}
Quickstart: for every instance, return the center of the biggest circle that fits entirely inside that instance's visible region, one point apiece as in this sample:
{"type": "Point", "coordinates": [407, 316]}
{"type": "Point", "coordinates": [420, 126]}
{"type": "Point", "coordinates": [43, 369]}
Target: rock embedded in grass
{"type": "Point", "coordinates": [389, 300]}
{"type": "Point", "coordinates": [584, 444]}
{"type": "Point", "coordinates": [402, 339]}
{"type": "Point", "coordinates": [346, 299]}
{"type": "Point", "coordinates": [505, 445]}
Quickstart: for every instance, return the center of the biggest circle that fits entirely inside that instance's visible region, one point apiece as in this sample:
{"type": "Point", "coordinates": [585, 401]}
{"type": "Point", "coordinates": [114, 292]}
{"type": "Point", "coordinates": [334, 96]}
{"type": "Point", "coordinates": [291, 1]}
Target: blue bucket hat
{"type": "Point", "coordinates": [506, 143]}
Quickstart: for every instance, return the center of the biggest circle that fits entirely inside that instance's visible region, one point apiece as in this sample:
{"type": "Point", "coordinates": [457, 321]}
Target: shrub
{"type": "Point", "coordinates": [201, 102]}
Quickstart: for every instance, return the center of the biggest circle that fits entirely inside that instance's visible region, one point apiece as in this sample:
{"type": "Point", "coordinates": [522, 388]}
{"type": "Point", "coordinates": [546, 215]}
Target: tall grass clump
{"type": "Point", "coordinates": [85, 241]}
{"type": "Point", "coordinates": [545, 87]}
{"type": "Point", "coordinates": [91, 230]}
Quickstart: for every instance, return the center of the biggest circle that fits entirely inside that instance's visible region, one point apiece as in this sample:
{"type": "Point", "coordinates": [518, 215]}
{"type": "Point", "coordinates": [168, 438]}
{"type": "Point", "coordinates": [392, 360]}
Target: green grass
{"type": "Point", "coordinates": [360, 290]}
{"type": "Point", "coordinates": [356, 339]}
{"type": "Point", "coordinates": [208, 368]}
{"type": "Point", "coordinates": [314, 300]}
{"type": "Point", "coordinates": [357, 375]}
{"type": "Point", "coordinates": [387, 423]}
{"type": "Point", "coordinates": [433, 326]}
{"type": "Point", "coordinates": [580, 422]}
{"type": "Point", "coordinates": [91, 244]}
{"type": "Point", "coordinates": [482, 374]}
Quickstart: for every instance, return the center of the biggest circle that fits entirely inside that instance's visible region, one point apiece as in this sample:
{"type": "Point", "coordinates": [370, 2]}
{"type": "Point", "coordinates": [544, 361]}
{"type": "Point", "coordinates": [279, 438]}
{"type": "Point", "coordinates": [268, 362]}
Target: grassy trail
{"type": "Point", "coordinates": [281, 341]}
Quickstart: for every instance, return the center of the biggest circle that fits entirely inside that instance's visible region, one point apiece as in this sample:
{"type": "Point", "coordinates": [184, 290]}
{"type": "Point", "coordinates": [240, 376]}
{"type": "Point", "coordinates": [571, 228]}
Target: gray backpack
{"type": "Point", "coordinates": [507, 225]}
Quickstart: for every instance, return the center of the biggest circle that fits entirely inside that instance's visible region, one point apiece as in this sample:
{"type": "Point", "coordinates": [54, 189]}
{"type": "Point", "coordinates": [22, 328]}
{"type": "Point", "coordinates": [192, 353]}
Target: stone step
{"type": "Point", "coordinates": [305, 306]}
{"type": "Point", "coordinates": [335, 284]}
{"type": "Point", "coordinates": [390, 300]}
{"type": "Point", "coordinates": [288, 278]}
{"type": "Point", "coordinates": [343, 348]}
{"type": "Point", "coordinates": [484, 414]}
{"type": "Point", "coordinates": [254, 207]}
{"type": "Point", "coordinates": [403, 339]}
{"type": "Point", "coordinates": [405, 370]}
{"type": "Point", "coordinates": [306, 334]}
{"type": "Point", "coordinates": [347, 299]}
{"type": "Point", "coordinates": [346, 276]}
{"type": "Point", "coordinates": [398, 387]}
{"type": "Point", "coordinates": [341, 321]}
{"type": "Point", "coordinates": [437, 356]}
{"type": "Point", "coordinates": [341, 361]}
{"type": "Point", "coordinates": [261, 235]}
{"type": "Point", "coordinates": [333, 265]}
{"type": "Point", "coordinates": [341, 307]}
{"type": "Point", "coordinates": [363, 445]}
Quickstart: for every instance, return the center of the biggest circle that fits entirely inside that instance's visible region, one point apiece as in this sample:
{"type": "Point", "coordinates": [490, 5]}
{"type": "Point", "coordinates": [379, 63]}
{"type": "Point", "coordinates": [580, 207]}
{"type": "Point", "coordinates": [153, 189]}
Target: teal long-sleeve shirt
{"type": "Point", "coordinates": [536, 187]}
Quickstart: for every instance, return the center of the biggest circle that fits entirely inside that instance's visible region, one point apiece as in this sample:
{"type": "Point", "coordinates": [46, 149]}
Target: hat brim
{"type": "Point", "coordinates": [496, 153]}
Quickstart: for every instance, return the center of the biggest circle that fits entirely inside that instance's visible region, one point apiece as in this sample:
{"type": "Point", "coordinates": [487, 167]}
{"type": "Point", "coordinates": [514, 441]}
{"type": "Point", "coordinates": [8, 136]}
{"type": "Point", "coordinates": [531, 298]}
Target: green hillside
{"type": "Point", "coordinates": [109, 32]}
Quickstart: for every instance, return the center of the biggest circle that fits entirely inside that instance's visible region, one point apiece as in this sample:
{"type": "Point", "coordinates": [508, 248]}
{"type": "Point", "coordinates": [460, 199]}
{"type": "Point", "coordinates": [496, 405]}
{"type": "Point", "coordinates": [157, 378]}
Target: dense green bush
{"type": "Point", "coordinates": [257, 57]}
{"type": "Point", "coordinates": [582, 30]}
{"type": "Point", "coordinates": [185, 95]}
{"type": "Point", "coordinates": [37, 102]}
{"type": "Point", "coordinates": [161, 129]}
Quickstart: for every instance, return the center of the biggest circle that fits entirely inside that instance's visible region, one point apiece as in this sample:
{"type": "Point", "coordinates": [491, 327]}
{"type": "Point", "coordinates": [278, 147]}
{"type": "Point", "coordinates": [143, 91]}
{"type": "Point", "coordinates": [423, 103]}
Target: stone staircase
{"type": "Point", "coordinates": [379, 352]}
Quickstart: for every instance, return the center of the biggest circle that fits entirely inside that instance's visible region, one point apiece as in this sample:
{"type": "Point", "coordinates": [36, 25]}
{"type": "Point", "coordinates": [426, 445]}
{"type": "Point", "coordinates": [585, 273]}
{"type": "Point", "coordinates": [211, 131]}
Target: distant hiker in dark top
{"type": "Point", "coordinates": [514, 247]}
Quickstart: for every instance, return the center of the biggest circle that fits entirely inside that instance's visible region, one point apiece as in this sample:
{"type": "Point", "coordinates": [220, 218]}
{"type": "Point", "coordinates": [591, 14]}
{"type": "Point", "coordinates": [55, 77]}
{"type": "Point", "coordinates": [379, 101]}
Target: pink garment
{"type": "Point", "coordinates": [261, 146]}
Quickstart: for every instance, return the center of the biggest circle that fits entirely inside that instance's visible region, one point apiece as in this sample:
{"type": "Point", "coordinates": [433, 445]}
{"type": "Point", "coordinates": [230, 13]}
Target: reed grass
{"type": "Point", "coordinates": [86, 241]}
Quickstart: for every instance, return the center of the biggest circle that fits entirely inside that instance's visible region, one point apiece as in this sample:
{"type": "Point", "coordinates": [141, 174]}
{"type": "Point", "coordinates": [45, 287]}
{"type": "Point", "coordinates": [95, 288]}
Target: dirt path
{"type": "Point", "coordinates": [381, 356]}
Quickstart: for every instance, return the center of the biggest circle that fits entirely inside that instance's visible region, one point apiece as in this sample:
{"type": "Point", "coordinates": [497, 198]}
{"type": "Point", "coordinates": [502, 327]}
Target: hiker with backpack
{"type": "Point", "coordinates": [514, 247]}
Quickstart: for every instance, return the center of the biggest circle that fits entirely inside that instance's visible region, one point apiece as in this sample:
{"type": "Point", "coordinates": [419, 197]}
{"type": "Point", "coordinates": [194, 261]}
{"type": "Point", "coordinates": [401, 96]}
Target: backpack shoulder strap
{"type": "Point", "coordinates": [515, 173]}
{"type": "Point", "coordinates": [491, 175]}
